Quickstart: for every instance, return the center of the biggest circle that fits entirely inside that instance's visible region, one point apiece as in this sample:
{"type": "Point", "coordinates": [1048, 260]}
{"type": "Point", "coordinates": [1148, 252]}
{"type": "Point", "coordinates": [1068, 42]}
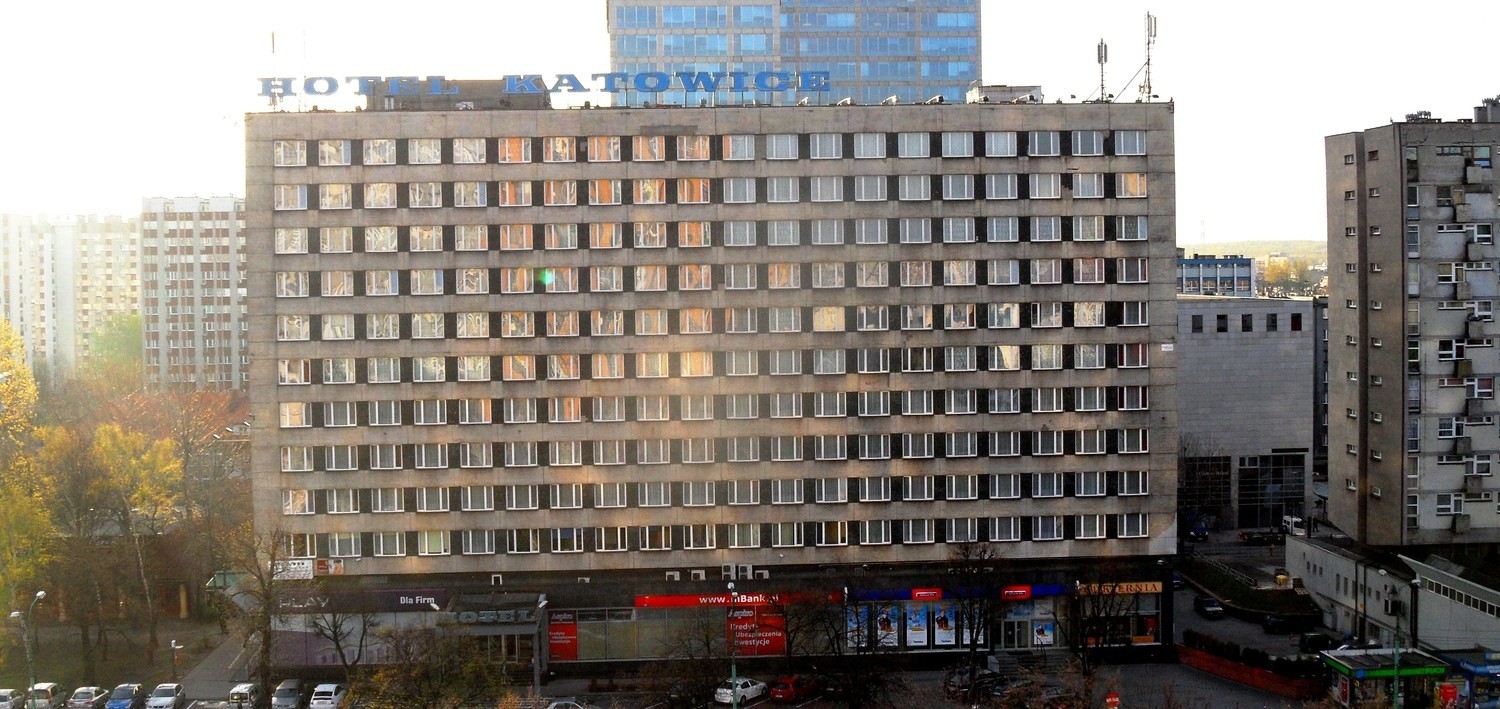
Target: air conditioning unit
{"type": "Point", "coordinates": [1375, 491]}
{"type": "Point", "coordinates": [1392, 606]}
{"type": "Point", "coordinates": [584, 579]}
{"type": "Point", "coordinates": [1349, 484]}
{"type": "Point", "coordinates": [747, 571]}
{"type": "Point", "coordinates": [674, 575]}
{"type": "Point", "coordinates": [700, 574]}
{"type": "Point", "coordinates": [763, 574]}
{"type": "Point", "coordinates": [497, 579]}
{"type": "Point", "coordinates": [726, 571]}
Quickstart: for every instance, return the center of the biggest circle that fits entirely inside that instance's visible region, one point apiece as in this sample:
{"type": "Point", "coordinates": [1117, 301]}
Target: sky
{"type": "Point", "coordinates": [110, 103]}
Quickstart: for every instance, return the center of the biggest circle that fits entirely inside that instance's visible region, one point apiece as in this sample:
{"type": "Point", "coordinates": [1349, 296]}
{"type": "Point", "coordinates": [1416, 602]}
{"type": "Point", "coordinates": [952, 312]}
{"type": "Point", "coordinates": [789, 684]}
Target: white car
{"type": "Point", "coordinates": [167, 696]}
{"type": "Point", "coordinates": [745, 687]}
{"type": "Point", "coordinates": [328, 696]}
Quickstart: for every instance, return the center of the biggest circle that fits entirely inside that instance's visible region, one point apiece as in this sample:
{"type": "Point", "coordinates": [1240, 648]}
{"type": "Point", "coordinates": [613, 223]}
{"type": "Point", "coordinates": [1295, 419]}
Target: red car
{"type": "Point", "coordinates": [793, 688]}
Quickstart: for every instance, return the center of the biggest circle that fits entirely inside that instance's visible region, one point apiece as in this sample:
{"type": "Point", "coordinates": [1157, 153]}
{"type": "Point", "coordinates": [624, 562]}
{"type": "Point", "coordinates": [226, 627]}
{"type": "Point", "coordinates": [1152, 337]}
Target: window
{"type": "Point", "coordinates": [1135, 524]}
{"type": "Point", "coordinates": [292, 241]}
{"type": "Point", "coordinates": [432, 499]}
{"type": "Point", "coordinates": [289, 153]}
{"type": "Point", "coordinates": [874, 446]}
{"type": "Point", "coordinates": [522, 541]}
{"type": "Point", "coordinates": [1134, 440]}
{"type": "Point", "coordinates": [918, 531]}
{"type": "Point", "coordinates": [958, 145]}
{"type": "Point", "coordinates": [609, 495]}
{"type": "Point", "coordinates": [781, 147]}
{"type": "Point", "coordinates": [1000, 186]}
{"type": "Point", "coordinates": [1088, 142]}
{"type": "Point", "coordinates": [786, 534]}
{"type": "Point", "coordinates": [1130, 142]}
{"type": "Point", "coordinates": [648, 148]}
{"type": "Point", "coordinates": [389, 543]}
{"type": "Point", "coordinates": [1130, 184]}
{"type": "Point", "coordinates": [1047, 528]}
{"type": "Point", "coordinates": [869, 145]}
{"type": "Point", "coordinates": [692, 147]}
{"type": "Point", "coordinates": [913, 188]}
{"type": "Point", "coordinates": [825, 146]}
{"type": "Point", "coordinates": [1042, 142]}
{"type": "Point", "coordinates": [1088, 185]}
{"type": "Point", "coordinates": [290, 197]}
{"type": "Point", "coordinates": [1000, 144]}
{"type": "Point", "coordinates": [1130, 228]}
{"type": "Point", "coordinates": [692, 190]}
{"type": "Point", "coordinates": [1132, 270]}
{"type": "Point", "coordinates": [1133, 482]}
{"type": "Point", "coordinates": [387, 499]}
{"type": "Point", "coordinates": [1005, 486]}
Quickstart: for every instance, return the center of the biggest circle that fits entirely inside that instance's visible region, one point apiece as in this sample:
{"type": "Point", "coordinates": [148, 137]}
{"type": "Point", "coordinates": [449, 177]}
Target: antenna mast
{"type": "Point", "coordinates": [1146, 94]}
{"type": "Point", "coordinates": [1103, 57]}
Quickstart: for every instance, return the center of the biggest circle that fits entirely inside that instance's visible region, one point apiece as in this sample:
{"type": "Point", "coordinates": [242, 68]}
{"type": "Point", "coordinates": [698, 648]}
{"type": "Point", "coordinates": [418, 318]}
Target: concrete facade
{"type": "Point", "coordinates": [192, 265]}
{"type": "Point", "coordinates": [64, 277]}
{"type": "Point", "coordinates": [1411, 214]}
{"type": "Point", "coordinates": [1246, 406]}
{"type": "Point", "coordinates": [712, 343]}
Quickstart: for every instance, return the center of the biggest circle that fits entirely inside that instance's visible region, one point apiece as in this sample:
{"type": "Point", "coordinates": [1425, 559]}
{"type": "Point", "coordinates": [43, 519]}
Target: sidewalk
{"type": "Point", "coordinates": [218, 672]}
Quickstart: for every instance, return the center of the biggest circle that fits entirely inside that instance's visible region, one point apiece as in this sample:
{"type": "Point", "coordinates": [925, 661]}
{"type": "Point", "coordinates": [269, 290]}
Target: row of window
{"type": "Point", "coordinates": [749, 535]}
{"type": "Point", "coordinates": [708, 493]}
{"type": "Point", "coordinates": [706, 190]}
{"type": "Point", "coordinates": [687, 148]}
{"type": "Point", "coordinates": [742, 449]}
{"type": "Point", "coordinates": [694, 234]}
{"type": "Point", "coordinates": [834, 318]}
{"type": "Point", "coordinates": [518, 280]}
{"type": "Point", "coordinates": [709, 407]}
{"type": "Point", "coordinates": [615, 365]}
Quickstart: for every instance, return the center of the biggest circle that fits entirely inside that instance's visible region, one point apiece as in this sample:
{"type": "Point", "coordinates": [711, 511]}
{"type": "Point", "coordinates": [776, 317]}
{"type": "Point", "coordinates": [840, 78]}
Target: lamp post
{"type": "Point", "coordinates": [26, 637]}
{"type": "Point", "coordinates": [1396, 699]}
{"type": "Point", "coordinates": [536, 650]}
{"type": "Point", "coordinates": [734, 677]}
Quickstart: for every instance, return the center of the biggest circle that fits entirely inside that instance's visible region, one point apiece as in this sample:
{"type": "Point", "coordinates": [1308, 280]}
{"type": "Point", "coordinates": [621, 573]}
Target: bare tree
{"type": "Point", "coordinates": [855, 654]}
{"type": "Point", "coordinates": [261, 593]}
{"type": "Point", "coordinates": [974, 581]}
{"type": "Point", "coordinates": [348, 630]}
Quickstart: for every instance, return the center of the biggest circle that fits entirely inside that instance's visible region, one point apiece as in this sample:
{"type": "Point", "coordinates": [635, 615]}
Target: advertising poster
{"type": "Point", "coordinates": [887, 622]}
{"type": "Point", "coordinates": [757, 631]}
{"type": "Point", "coordinates": [944, 624]}
{"type": "Point", "coordinates": [916, 625]}
{"type": "Point", "coordinates": [855, 625]}
{"type": "Point", "coordinates": [1044, 632]}
{"type": "Point", "coordinates": [562, 635]}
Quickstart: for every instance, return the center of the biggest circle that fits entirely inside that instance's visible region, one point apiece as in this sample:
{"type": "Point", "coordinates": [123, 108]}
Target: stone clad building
{"type": "Point", "coordinates": [612, 352]}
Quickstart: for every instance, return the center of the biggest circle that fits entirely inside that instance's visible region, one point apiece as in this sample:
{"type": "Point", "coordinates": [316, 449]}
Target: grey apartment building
{"type": "Point", "coordinates": [192, 266]}
{"type": "Point", "coordinates": [623, 356]}
{"type": "Point", "coordinates": [1412, 362]}
{"type": "Point", "coordinates": [873, 50]}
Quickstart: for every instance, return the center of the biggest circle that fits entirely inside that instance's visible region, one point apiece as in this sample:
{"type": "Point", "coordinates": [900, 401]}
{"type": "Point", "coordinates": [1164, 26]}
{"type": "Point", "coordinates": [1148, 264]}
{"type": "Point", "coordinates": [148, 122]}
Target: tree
{"type": "Point", "coordinates": [18, 396]}
{"type": "Point", "coordinates": [115, 358]}
{"type": "Point", "coordinates": [260, 592]}
{"type": "Point", "coordinates": [694, 657]}
{"type": "Point", "coordinates": [974, 580]}
{"type": "Point", "coordinates": [856, 661]}
{"type": "Point", "coordinates": [79, 570]}
{"type": "Point", "coordinates": [349, 631]}
{"type": "Point", "coordinates": [141, 489]}
{"type": "Point", "coordinates": [439, 667]}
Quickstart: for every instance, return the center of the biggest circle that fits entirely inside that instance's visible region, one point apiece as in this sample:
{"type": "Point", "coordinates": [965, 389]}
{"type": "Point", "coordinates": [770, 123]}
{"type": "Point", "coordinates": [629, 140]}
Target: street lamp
{"type": "Point", "coordinates": [536, 650]}
{"type": "Point", "coordinates": [27, 638]}
{"type": "Point", "coordinates": [734, 677]}
{"type": "Point", "coordinates": [1396, 667]}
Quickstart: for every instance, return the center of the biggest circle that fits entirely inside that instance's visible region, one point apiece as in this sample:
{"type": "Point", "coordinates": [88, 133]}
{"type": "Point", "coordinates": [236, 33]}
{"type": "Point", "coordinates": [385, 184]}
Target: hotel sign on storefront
{"type": "Point", "coordinates": [648, 82]}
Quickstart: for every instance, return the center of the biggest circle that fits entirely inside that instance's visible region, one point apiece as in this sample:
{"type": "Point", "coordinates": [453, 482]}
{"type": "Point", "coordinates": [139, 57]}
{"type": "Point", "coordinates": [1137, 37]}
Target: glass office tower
{"type": "Point", "coordinates": [873, 49]}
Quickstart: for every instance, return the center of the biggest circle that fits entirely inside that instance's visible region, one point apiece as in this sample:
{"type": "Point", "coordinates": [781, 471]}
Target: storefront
{"type": "Point", "coordinates": [1369, 679]}
{"type": "Point", "coordinates": [1476, 680]}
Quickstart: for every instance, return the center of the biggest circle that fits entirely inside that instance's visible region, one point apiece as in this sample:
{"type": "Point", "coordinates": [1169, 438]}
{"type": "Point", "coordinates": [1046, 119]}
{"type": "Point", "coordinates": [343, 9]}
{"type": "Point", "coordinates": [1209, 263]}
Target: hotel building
{"type": "Point", "coordinates": [622, 356]}
{"type": "Point", "coordinates": [913, 50]}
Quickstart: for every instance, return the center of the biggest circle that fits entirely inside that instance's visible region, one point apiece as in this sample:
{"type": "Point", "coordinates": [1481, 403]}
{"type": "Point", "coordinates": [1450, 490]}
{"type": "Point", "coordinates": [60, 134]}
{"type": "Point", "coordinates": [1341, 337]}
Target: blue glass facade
{"type": "Point", "coordinates": [872, 49]}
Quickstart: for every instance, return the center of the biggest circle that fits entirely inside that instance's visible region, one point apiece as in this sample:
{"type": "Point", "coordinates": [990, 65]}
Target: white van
{"type": "Point", "coordinates": [45, 695]}
{"type": "Point", "coordinates": [244, 696]}
{"type": "Point", "coordinates": [1294, 526]}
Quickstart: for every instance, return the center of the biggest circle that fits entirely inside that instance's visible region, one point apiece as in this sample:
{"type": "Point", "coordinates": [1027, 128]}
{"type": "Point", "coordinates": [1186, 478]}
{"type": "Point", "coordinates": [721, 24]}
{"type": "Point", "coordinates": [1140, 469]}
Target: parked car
{"type": "Point", "coordinates": [745, 687]}
{"type": "Point", "coordinates": [328, 696]}
{"type": "Point", "coordinates": [961, 683]}
{"type": "Point", "coordinates": [244, 696]}
{"type": "Point", "coordinates": [88, 698]}
{"type": "Point", "coordinates": [1262, 537]}
{"type": "Point", "coordinates": [1315, 642]}
{"type": "Point", "coordinates": [1280, 624]}
{"type": "Point", "coordinates": [167, 696]}
{"type": "Point", "coordinates": [12, 699]}
{"type": "Point", "coordinates": [1208, 607]}
{"type": "Point", "coordinates": [794, 688]}
{"type": "Point", "coordinates": [130, 695]}
{"type": "Point", "coordinates": [570, 703]}
{"type": "Point", "coordinates": [46, 695]}
{"type": "Point", "coordinates": [1198, 534]}
{"type": "Point", "coordinates": [1057, 698]}
{"type": "Point", "coordinates": [290, 694]}
{"type": "Point", "coordinates": [1017, 688]}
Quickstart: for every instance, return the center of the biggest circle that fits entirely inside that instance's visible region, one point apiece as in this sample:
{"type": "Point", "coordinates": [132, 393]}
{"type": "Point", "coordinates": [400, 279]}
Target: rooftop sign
{"type": "Point", "coordinates": [650, 82]}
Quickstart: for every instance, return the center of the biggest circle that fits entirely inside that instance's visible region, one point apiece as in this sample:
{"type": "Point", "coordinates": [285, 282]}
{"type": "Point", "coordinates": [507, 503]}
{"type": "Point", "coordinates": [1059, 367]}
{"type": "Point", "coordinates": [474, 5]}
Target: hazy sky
{"type": "Point", "coordinates": [112, 102]}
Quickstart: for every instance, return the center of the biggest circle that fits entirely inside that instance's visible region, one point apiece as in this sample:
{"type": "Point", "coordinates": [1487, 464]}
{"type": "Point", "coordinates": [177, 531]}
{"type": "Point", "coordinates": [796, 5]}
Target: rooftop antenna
{"type": "Point", "coordinates": [1103, 57]}
{"type": "Point", "coordinates": [1146, 94]}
